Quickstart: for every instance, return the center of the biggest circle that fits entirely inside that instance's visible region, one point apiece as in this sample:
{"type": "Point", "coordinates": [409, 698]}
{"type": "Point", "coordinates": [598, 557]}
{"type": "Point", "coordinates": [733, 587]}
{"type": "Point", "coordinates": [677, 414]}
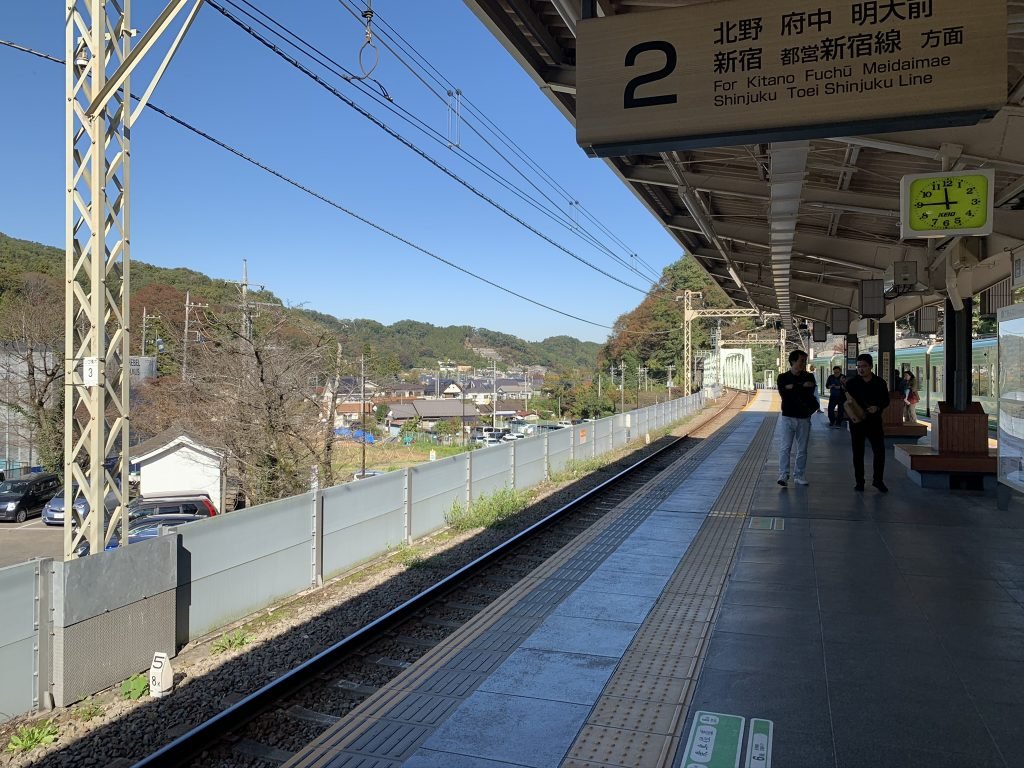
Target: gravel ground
{"type": "Point", "coordinates": [108, 730]}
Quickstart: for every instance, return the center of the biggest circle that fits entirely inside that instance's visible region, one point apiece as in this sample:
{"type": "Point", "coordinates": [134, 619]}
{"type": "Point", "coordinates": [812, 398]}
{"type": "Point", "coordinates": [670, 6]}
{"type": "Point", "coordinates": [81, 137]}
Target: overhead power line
{"type": "Point", "coordinates": [409, 144]}
{"type": "Point", "coordinates": [446, 88]}
{"type": "Point", "coordinates": [323, 198]}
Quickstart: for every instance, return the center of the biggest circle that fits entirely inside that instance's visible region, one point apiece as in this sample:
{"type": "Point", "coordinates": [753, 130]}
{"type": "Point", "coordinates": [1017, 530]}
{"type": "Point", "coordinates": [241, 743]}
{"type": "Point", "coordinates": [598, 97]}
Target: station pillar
{"type": "Point", "coordinates": [885, 365]}
{"type": "Point", "coordinates": [961, 427]}
{"type": "Point", "coordinates": [958, 355]}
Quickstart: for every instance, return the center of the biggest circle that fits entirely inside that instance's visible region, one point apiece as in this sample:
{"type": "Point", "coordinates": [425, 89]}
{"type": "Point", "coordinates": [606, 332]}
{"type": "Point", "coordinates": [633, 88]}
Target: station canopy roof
{"type": "Point", "coordinates": [717, 201]}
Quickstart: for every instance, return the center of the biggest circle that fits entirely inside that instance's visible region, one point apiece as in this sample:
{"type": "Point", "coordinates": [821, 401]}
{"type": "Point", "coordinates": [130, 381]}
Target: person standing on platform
{"type": "Point", "coordinates": [866, 397]}
{"type": "Point", "coordinates": [834, 385]}
{"type": "Point", "coordinates": [910, 398]}
{"type": "Point", "coordinates": [799, 403]}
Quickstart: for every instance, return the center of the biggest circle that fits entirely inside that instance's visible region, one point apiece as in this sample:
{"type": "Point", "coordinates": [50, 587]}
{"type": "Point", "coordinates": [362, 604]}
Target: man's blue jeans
{"type": "Point", "coordinates": [797, 431]}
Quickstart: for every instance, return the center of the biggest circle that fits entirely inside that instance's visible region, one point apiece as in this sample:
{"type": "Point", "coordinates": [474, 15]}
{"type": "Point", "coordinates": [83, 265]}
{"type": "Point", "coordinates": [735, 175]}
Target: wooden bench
{"type": "Point", "coordinates": [931, 469]}
{"type": "Point", "coordinates": [892, 421]}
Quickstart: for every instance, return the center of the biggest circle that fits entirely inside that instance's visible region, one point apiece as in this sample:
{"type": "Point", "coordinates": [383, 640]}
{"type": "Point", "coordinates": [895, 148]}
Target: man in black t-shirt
{"type": "Point", "coordinates": [872, 395]}
{"type": "Point", "coordinates": [799, 403]}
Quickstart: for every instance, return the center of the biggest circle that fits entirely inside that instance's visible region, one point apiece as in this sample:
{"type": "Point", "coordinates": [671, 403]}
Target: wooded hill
{"type": "Point", "coordinates": [405, 344]}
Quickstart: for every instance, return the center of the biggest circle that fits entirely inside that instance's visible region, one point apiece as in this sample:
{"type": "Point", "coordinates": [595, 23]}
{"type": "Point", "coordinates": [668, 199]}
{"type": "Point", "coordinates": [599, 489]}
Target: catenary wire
{"type": "Point", "coordinates": [323, 198]}
{"type": "Point", "coordinates": [443, 81]}
{"type": "Point", "coordinates": [502, 137]}
{"type": "Point", "coordinates": [296, 41]}
{"type": "Point", "coordinates": [400, 138]}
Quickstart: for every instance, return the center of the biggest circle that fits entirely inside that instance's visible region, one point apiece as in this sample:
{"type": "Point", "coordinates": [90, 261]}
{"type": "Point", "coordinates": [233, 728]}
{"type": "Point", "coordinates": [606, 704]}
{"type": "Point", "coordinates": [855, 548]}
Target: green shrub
{"type": "Point", "coordinates": [28, 737]}
{"type": "Point", "coordinates": [232, 641]}
{"type": "Point", "coordinates": [135, 687]}
{"type": "Point", "coordinates": [488, 510]}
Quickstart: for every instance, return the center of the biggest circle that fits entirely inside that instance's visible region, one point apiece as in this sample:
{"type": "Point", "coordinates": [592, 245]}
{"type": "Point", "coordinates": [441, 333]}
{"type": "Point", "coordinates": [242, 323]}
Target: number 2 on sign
{"type": "Point", "coordinates": [629, 98]}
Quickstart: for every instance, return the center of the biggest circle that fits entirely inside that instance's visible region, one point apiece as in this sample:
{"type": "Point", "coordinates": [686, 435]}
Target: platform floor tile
{"type": "Point", "coordinates": [573, 634]}
{"type": "Point", "coordinates": [591, 604]}
{"type": "Point", "coordinates": [576, 678]}
{"type": "Point", "coordinates": [481, 727]}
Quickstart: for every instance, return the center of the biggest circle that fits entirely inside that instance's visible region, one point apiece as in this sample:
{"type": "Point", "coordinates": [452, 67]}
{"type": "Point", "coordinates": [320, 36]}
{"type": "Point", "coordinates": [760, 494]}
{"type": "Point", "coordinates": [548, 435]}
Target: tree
{"type": "Point", "coordinates": [446, 428]}
{"type": "Point", "coordinates": [32, 364]}
{"type": "Point", "coordinates": [255, 395]}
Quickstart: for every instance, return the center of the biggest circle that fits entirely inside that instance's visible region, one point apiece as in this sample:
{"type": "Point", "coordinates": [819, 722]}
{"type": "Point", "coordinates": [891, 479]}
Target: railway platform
{"type": "Point", "coordinates": [715, 619]}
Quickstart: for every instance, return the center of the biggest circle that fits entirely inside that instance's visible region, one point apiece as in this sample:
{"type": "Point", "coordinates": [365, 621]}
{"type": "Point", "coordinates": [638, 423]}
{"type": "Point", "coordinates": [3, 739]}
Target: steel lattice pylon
{"type": "Point", "coordinates": [99, 58]}
{"type": "Point", "coordinates": [689, 314]}
{"type": "Point", "coordinates": [97, 272]}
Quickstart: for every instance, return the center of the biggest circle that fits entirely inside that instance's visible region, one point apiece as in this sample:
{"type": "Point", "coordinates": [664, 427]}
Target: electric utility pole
{"type": "Point", "coordinates": [362, 411]}
{"type": "Point", "coordinates": [189, 306]}
{"type": "Point", "coordinates": [622, 384]}
{"type": "Point", "coordinates": [494, 394]}
{"type": "Point", "coordinates": [249, 307]}
{"type": "Point", "coordinates": [145, 324]}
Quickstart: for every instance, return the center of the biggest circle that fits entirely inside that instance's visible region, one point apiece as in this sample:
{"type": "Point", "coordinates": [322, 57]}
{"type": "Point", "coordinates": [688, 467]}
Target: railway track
{"type": "Point", "coordinates": [266, 727]}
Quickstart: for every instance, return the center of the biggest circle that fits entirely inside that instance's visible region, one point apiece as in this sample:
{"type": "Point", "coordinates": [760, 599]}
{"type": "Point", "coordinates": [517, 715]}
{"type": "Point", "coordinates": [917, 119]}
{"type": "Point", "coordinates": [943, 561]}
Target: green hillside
{"type": "Point", "coordinates": [408, 343]}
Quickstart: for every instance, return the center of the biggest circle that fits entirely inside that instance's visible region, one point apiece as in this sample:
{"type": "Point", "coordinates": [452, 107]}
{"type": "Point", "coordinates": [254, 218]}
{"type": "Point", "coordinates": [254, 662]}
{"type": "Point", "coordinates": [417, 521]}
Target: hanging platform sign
{"type": "Point", "coordinates": [746, 71]}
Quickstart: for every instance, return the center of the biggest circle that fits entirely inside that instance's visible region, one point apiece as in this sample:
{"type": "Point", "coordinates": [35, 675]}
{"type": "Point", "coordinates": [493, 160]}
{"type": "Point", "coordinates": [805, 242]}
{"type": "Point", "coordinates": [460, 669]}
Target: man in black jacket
{"type": "Point", "coordinates": [872, 395]}
{"type": "Point", "coordinates": [836, 395]}
{"type": "Point", "coordinates": [796, 387]}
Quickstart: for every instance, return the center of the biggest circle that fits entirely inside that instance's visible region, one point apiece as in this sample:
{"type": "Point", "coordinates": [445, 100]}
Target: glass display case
{"type": "Point", "coordinates": [1011, 396]}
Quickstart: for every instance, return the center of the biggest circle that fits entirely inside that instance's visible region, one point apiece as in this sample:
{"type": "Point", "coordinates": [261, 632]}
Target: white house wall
{"type": "Point", "coordinates": [182, 468]}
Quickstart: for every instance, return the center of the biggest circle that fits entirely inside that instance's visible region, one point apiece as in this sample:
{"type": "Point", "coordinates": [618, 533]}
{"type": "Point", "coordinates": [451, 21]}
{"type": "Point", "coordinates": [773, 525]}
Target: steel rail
{"type": "Point", "coordinates": [211, 731]}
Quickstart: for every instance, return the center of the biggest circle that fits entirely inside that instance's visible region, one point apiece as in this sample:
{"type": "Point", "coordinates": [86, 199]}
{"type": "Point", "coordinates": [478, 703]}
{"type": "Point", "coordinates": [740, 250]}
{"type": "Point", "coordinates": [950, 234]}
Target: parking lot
{"type": "Point", "coordinates": [23, 541]}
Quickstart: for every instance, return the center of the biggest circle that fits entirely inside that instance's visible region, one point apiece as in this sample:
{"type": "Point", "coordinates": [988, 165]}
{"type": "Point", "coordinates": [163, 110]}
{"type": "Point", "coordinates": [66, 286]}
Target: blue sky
{"type": "Point", "coordinates": [195, 205]}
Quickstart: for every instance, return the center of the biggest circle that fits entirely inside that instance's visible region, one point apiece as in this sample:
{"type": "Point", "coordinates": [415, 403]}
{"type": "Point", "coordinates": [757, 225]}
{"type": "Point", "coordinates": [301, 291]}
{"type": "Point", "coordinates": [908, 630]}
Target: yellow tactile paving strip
{"type": "Point", "coordinates": [388, 726]}
{"type": "Point", "coordinates": [637, 721]}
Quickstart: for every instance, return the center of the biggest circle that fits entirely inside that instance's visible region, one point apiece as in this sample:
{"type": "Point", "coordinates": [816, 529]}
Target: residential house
{"type": "Point", "coordinates": [347, 414]}
{"type": "Point", "coordinates": [430, 412]}
{"type": "Point", "coordinates": [176, 460]}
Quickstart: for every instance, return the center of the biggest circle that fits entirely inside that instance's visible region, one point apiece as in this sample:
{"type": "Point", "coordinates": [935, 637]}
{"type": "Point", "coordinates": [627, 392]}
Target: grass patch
{"type": "Point", "coordinates": [574, 470]}
{"type": "Point", "coordinates": [231, 641]}
{"type": "Point", "coordinates": [88, 710]}
{"type": "Point", "coordinates": [135, 687]}
{"type": "Point", "coordinates": [488, 510]}
{"type": "Point", "coordinates": [409, 556]}
{"type": "Point", "coordinates": [28, 737]}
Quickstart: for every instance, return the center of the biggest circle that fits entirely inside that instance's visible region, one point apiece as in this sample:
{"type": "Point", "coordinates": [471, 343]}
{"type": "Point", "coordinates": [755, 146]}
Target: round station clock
{"type": "Point", "coordinates": [946, 204]}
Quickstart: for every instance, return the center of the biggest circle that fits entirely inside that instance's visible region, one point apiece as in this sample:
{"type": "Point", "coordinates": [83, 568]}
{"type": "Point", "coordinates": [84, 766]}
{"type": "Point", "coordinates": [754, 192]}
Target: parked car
{"type": "Point", "coordinates": [143, 529]}
{"type": "Point", "coordinates": [26, 496]}
{"type": "Point", "coordinates": [180, 503]}
{"type": "Point", "coordinates": [510, 436]}
{"type": "Point", "coordinates": [53, 511]}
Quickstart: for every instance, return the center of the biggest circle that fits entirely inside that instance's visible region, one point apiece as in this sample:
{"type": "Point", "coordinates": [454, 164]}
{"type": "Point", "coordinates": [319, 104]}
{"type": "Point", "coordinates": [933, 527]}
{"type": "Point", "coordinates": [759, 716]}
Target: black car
{"type": "Point", "coordinates": [26, 496]}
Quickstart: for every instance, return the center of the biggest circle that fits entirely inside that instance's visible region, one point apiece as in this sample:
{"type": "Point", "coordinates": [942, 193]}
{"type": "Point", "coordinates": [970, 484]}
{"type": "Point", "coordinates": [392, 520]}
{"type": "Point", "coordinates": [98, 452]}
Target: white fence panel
{"type": "Point", "coordinates": [240, 562]}
{"type": "Point", "coordinates": [491, 469]}
{"type": "Point", "coordinates": [530, 464]}
{"type": "Point", "coordinates": [362, 520]}
{"type": "Point", "coordinates": [436, 486]}
{"type": "Point", "coordinates": [17, 639]}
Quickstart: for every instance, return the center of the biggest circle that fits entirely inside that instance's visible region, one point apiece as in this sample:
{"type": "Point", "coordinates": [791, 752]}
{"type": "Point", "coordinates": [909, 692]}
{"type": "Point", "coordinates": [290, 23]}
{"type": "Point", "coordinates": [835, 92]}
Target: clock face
{"type": "Point", "coordinates": [953, 202]}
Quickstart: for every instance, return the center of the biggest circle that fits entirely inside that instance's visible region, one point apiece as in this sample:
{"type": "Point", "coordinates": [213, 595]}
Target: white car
{"type": "Point", "coordinates": [490, 441]}
{"type": "Point", "coordinates": [510, 436]}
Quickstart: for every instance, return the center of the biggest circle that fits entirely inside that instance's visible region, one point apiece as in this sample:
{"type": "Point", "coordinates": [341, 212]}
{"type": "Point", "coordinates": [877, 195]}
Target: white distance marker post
{"type": "Point", "coordinates": [161, 676]}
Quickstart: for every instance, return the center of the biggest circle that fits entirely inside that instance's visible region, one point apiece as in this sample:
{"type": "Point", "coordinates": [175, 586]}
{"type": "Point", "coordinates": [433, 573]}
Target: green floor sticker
{"type": "Point", "coordinates": [715, 741]}
{"type": "Point", "coordinates": [759, 743]}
